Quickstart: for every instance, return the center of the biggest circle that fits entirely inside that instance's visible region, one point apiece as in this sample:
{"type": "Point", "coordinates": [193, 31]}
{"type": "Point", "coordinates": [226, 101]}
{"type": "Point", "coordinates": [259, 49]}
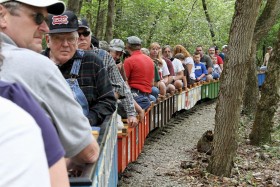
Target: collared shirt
{"type": "Point", "coordinates": [94, 82]}
{"type": "Point", "coordinates": [117, 81]}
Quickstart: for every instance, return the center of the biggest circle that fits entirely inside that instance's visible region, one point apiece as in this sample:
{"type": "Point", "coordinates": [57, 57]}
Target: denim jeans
{"type": "Point", "coordinates": [143, 101]}
{"type": "Point", "coordinates": [154, 95]}
{"type": "Point", "coordinates": [215, 75]}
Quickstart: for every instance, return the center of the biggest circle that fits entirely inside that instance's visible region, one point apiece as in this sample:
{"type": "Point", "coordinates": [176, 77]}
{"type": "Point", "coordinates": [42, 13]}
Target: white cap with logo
{"type": "Point", "coordinates": [53, 6]}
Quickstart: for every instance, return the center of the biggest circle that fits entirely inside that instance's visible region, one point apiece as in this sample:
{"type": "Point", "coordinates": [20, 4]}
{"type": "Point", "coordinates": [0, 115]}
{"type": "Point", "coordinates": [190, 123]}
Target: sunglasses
{"type": "Point", "coordinates": [85, 33]}
{"type": "Point", "coordinates": [39, 18]}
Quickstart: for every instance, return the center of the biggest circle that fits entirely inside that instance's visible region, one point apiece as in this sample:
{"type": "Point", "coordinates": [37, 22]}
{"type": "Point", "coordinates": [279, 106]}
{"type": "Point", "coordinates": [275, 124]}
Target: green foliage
{"type": "Point", "coordinates": [168, 21]}
{"type": "Point", "coordinates": [269, 40]}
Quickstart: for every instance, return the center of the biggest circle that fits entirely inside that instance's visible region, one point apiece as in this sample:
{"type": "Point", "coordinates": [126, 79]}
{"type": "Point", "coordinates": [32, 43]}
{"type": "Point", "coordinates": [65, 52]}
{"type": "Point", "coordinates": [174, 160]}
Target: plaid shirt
{"type": "Point", "coordinates": [117, 81]}
{"type": "Point", "coordinates": [94, 82]}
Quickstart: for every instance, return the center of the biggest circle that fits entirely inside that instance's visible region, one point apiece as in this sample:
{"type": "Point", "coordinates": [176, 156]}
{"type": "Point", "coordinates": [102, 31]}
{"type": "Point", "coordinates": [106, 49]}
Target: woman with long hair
{"type": "Point", "coordinates": [164, 83]}
{"type": "Point", "coordinates": [188, 62]}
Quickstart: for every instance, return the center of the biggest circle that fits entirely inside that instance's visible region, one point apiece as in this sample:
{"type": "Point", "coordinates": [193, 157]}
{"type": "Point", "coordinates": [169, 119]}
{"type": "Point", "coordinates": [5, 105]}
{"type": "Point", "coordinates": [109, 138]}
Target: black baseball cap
{"type": "Point", "coordinates": [83, 23]}
{"type": "Point", "coordinates": [66, 22]}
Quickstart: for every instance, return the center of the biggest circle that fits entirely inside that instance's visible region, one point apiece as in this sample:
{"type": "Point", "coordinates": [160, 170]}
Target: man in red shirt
{"type": "Point", "coordinates": [211, 52]}
{"type": "Point", "coordinates": [139, 69]}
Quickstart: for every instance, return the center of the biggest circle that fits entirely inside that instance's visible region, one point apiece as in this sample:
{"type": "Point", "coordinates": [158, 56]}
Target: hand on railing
{"type": "Point", "coordinates": [132, 121]}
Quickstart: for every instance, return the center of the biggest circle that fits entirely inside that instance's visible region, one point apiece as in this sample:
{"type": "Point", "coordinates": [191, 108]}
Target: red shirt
{"type": "Point", "coordinates": [219, 59]}
{"type": "Point", "coordinates": [139, 70]}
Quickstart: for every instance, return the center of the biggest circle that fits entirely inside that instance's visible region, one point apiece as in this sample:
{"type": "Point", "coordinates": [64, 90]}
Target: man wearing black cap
{"type": "Point", "coordinates": [85, 35]}
{"type": "Point", "coordinates": [62, 42]}
{"type": "Point", "coordinates": [22, 25]}
{"type": "Point", "coordinates": [121, 90]}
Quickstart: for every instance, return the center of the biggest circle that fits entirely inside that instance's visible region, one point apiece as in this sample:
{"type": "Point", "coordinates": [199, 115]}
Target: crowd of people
{"type": "Point", "coordinates": [52, 98]}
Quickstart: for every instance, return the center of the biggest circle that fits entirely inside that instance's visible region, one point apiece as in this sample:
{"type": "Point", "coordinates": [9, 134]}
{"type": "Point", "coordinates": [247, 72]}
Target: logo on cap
{"type": "Point", "coordinates": [59, 20]}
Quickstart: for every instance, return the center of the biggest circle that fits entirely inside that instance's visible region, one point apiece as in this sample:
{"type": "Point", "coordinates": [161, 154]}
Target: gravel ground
{"type": "Point", "coordinates": [165, 149]}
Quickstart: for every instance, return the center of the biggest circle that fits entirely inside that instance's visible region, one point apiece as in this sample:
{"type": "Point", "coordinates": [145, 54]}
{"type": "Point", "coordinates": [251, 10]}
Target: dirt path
{"type": "Point", "coordinates": [160, 163]}
{"type": "Point", "coordinates": [164, 150]}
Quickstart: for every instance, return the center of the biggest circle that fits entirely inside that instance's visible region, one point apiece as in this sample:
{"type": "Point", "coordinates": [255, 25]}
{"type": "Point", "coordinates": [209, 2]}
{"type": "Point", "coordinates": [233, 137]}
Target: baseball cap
{"type": "Point", "coordinates": [224, 46]}
{"type": "Point", "coordinates": [134, 40]}
{"type": "Point", "coordinates": [66, 22]}
{"type": "Point", "coordinates": [117, 45]}
{"type": "Point", "coordinates": [83, 23]}
{"type": "Point", "coordinates": [53, 6]}
{"type": "Point", "coordinates": [104, 45]}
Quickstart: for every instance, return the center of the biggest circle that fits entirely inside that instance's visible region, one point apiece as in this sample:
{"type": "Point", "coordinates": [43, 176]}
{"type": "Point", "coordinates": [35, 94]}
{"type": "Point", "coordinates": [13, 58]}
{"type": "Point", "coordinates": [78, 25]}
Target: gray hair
{"type": "Point", "coordinates": [145, 51]}
{"type": "Point", "coordinates": [12, 6]}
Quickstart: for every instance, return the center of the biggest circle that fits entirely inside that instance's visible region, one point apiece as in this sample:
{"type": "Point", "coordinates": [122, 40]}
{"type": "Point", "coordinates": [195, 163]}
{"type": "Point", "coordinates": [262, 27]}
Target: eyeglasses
{"type": "Point", "coordinates": [60, 38]}
{"type": "Point", "coordinates": [39, 18]}
{"type": "Point", "coordinates": [85, 33]}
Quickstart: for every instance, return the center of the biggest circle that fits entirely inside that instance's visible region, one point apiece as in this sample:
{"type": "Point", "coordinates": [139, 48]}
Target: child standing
{"type": "Point", "coordinates": [216, 68]}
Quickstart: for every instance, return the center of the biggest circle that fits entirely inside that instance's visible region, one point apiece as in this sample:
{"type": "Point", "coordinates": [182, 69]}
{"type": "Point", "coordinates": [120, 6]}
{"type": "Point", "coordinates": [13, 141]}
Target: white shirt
{"type": "Point", "coordinates": [22, 160]}
{"type": "Point", "coordinates": [189, 60]}
{"type": "Point", "coordinates": [177, 65]}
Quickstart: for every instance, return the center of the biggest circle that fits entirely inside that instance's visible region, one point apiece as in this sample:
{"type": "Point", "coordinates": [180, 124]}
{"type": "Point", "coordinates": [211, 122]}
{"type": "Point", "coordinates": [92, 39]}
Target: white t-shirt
{"type": "Point", "coordinates": [165, 70]}
{"type": "Point", "coordinates": [177, 65]}
{"type": "Point", "coordinates": [189, 60]}
{"type": "Point", "coordinates": [216, 68]}
{"type": "Point", "coordinates": [22, 160]}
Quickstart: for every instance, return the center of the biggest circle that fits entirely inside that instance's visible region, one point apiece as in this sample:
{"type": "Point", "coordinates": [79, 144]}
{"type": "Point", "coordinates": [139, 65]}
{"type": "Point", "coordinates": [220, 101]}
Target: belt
{"type": "Point", "coordinates": [133, 90]}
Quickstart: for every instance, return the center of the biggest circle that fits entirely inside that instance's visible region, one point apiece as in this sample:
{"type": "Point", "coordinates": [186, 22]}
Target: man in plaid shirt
{"type": "Point", "coordinates": [93, 79]}
{"type": "Point", "coordinates": [121, 89]}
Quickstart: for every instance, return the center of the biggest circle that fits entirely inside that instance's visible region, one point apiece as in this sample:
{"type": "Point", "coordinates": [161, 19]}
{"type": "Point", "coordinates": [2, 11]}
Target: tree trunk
{"type": "Point", "coordinates": [270, 96]}
{"type": "Point", "coordinates": [209, 21]}
{"type": "Point", "coordinates": [232, 85]}
{"type": "Point", "coordinates": [110, 20]}
{"type": "Point", "coordinates": [264, 23]}
{"type": "Point", "coordinates": [101, 14]}
{"type": "Point", "coordinates": [251, 91]}
{"type": "Point", "coordinates": [75, 6]}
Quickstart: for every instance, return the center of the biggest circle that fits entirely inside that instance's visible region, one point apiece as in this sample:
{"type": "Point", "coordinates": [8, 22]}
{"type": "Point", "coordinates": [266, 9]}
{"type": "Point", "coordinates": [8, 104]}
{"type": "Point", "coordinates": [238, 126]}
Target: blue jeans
{"type": "Point", "coordinates": [215, 75]}
{"type": "Point", "coordinates": [143, 101]}
{"type": "Point", "coordinates": [154, 95]}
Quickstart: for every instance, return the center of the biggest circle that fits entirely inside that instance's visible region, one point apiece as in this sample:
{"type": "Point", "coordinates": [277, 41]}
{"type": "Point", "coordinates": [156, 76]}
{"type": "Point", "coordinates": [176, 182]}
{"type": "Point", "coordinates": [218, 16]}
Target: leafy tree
{"type": "Point", "coordinates": [209, 21]}
{"type": "Point", "coordinates": [75, 6]}
{"type": "Point", "coordinates": [264, 23]}
{"type": "Point", "coordinates": [263, 124]}
{"type": "Point", "coordinates": [165, 21]}
{"type": "Point", "coordinates": [110, 20]}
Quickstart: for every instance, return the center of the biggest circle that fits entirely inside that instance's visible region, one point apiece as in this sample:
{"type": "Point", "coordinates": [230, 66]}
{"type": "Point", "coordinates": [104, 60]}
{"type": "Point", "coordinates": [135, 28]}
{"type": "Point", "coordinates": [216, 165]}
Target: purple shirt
{"type": "Point", "coordinates": [18, 95]}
